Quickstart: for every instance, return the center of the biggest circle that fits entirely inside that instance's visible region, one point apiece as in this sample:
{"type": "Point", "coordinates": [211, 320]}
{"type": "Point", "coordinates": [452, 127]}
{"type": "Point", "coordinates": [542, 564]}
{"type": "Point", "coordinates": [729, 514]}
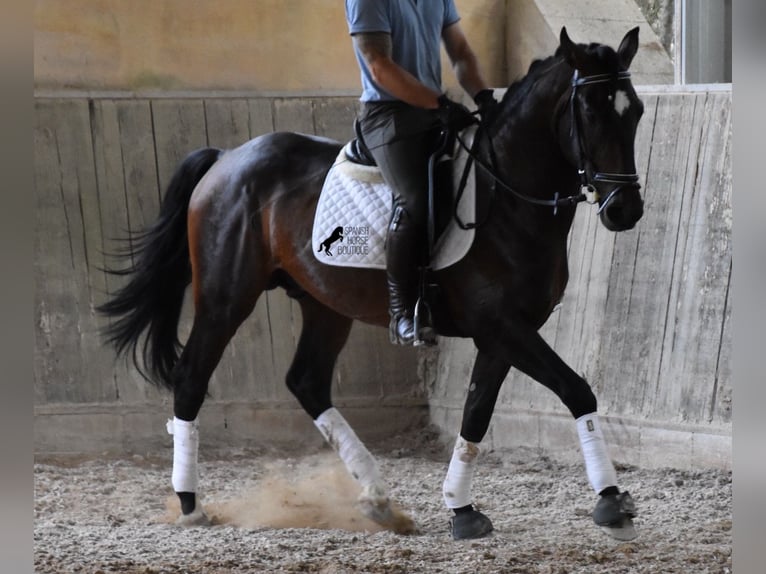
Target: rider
{"type": "Point", "coordinates": [403, 111]}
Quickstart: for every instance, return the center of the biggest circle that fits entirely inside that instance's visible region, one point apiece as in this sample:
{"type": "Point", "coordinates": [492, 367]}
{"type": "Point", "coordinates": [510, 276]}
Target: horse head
{"type": "Point", "coordinates": [598, 130]}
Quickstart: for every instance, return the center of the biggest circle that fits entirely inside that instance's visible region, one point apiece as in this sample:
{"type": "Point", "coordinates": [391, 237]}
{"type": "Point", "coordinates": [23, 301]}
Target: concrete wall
{"type": "Point", "coordinates": [647, 314]}
{"type": "Point", "coordinates": [533, 28]}
{"type": "Point", "coordinates": [279, 46]}
{"type": "Point", "coordinates": [262, 46]}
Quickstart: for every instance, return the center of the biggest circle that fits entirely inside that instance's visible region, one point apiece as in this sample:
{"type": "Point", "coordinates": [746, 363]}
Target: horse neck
{"type": "Point", "coordinates": [526, 144]}
{"type": "Point", "coordinates": [528, 157]}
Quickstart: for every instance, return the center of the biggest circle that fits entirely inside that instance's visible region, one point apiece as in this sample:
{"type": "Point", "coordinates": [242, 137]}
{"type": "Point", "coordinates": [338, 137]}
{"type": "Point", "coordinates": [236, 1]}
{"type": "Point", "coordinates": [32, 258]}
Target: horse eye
{"type": "Point", "coordinates": [590, 107]}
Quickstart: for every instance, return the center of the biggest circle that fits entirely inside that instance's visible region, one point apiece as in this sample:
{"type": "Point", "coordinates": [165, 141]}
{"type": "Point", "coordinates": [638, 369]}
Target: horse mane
{"type": "Point", "coordinates": [519, 89]}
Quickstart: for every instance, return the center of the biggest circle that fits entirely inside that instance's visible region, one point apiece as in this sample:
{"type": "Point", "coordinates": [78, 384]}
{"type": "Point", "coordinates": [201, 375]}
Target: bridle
{"type": "Point", "coordinates": [586, 186]}
{"type": "Point", "coordinates": [588, 191]}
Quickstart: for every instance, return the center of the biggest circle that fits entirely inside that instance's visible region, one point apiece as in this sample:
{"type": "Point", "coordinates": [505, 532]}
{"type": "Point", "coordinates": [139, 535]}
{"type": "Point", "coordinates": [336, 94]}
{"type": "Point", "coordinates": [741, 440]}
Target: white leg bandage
{"type": "Point", "coordinates": [358, 460]}
{"type": "Point", "coordinates": [457, 486]}
{"type": "Point", "coordinates": [598, 465]}
{"type": "Point", "coordinates": [185, 451]}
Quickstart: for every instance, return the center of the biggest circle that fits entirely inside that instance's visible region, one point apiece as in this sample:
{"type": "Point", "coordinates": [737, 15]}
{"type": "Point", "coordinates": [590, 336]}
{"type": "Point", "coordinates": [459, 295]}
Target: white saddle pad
{"type": "Point", "coordinates": [354, 210]}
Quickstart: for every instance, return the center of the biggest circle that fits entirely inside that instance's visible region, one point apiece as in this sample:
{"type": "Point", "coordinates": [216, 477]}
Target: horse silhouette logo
{"type": "Point", "coordinates": [336, 235]}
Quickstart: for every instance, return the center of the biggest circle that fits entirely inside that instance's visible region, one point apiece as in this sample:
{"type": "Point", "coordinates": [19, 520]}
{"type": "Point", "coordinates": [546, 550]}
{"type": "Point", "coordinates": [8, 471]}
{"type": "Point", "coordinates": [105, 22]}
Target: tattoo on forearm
{"type": "Point", "coordinates": [373, 45]}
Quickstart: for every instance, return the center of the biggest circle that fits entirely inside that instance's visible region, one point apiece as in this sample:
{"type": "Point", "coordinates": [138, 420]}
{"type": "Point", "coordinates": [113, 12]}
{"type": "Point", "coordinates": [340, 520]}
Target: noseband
{"type": "Point", "coordinates": [587, 188]}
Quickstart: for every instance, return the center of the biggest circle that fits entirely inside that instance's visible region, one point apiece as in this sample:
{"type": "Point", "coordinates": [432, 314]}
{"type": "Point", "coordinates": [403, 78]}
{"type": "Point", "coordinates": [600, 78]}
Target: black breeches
{"type": "Point", "coordinates": [402, 138]}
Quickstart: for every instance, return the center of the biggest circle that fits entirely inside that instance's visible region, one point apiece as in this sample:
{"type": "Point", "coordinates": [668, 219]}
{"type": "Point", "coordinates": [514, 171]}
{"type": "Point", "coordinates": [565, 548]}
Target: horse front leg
{"type": "Point", "coordinates": [528, 352]}
{"type": "Point", "coordinates": [487, 377]}
{"type": "Point", "coordinates": [310, 379]}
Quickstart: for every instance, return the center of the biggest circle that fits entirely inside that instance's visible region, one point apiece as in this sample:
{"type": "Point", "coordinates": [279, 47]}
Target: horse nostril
{"type": "Point", "coordinates": [621, 215]}
{"type": "Point", "coordinates": [615, 214]}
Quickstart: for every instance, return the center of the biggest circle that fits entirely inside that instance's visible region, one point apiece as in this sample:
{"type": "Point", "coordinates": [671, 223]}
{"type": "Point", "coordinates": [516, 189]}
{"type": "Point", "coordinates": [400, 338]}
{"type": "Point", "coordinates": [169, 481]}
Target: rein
{"type": "Point", "coordinates": [588, 191]}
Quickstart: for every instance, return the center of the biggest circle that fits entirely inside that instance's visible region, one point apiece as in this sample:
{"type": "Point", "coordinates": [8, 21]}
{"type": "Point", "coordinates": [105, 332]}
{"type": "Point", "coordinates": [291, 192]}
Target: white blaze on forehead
{"type": "Point", "coordinates": [621, 102]}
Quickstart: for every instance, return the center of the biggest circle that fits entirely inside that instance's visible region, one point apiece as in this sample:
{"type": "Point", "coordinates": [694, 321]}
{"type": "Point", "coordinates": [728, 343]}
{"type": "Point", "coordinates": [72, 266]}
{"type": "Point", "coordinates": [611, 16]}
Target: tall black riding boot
{"type": "Point", "coordinates": [401, 329]}
{"type": "Point", "coordinates": [402, 254]}
{"type": "Point", "coordinates": [401, 275]}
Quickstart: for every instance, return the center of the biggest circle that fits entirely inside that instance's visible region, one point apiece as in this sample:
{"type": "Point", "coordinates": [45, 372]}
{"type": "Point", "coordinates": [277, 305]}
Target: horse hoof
{"type": "Point", "coordinates": [614, 513]}
{"type": "Point", "coordinates": [196, 518]}
{"type": "Point", "coordinates": [472, 524]}
{"type": "Point", "coordinates": [391, 518]}
{"type": "Point", "coordinates": [624, 532]}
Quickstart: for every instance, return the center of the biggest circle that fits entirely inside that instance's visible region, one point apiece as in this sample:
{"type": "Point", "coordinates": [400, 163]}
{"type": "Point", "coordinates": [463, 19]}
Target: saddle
{"type": "Point", "coordinates": [354, 210]}
{"type": "Point", "coordinates": [357, 151]}
{"type": "Point", "coordinates": [440, 177]}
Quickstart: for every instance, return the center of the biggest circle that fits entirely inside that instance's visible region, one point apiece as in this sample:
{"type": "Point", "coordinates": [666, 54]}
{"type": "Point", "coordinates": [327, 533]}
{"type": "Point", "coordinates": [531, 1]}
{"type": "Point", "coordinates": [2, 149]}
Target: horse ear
{"type": "Point", "coordinates": [574, 54]}
{"type": "Point", "coordinates": [628, 48]}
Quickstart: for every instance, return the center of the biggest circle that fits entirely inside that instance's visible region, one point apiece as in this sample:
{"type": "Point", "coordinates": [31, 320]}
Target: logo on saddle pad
{"type": "Point", "coordinates": [336, 235]}
{"type": "Point", "coordinates": [357, 241]}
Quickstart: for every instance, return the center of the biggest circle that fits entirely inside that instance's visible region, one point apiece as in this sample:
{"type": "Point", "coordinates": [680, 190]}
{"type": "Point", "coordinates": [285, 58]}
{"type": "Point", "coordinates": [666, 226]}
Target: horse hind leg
{"type": "Point", "coordinates": [226, 285]}
{"type": "Point", "coordinates": [310, 379]}
{"type": "Point", "coordinates": [191, 375]}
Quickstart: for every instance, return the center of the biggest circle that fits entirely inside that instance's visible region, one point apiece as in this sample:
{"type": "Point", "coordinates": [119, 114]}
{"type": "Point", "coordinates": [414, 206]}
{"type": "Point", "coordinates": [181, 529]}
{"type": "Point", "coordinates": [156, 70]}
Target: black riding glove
{"type": "Point", "coordinates": [487, 104]}
{"type": "Point", "coordinates": [454, 116]}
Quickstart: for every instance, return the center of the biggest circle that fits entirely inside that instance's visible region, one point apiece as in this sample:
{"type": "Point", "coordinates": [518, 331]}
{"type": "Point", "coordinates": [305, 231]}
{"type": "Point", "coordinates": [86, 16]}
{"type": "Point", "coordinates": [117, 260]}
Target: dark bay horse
{"type": "Point", "coordinates": [236, 223]}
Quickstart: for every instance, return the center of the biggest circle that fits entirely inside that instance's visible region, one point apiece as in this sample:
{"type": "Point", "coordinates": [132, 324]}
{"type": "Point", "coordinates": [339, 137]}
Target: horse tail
{"type": "Point", "coordinates": [160, 271]}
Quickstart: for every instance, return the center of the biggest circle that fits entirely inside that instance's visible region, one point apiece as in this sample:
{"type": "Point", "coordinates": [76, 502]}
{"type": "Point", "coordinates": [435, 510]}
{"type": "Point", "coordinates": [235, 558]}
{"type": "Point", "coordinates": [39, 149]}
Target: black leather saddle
{"type": "Point", "coordinates": [357, 151]}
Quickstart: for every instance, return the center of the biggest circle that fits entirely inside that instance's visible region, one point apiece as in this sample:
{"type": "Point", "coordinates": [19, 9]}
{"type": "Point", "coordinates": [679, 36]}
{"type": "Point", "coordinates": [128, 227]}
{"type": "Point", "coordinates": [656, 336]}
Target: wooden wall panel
{"type": "Point", "coordinates": [334, 117]}
{"type": "Point", "coordinates": [695, 336]}
{"type": "Point", "coordinates": [68, 241]}
{"type": "Point", "coordinates": [261, 116]}
{"type": "Point", "coordinates": [227, 121]}
{"type": "Point", "coordinates": [179, 129]}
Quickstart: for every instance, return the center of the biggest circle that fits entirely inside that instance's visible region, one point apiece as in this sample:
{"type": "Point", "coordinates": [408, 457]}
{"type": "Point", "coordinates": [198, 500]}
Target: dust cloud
{"type": "Point", "coordinates": [314, 493]}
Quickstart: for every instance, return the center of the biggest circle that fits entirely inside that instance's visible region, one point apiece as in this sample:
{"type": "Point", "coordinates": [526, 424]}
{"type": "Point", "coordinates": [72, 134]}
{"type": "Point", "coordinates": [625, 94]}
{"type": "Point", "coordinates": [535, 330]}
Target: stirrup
{"type": "Point", "coordinates": [424, 330]}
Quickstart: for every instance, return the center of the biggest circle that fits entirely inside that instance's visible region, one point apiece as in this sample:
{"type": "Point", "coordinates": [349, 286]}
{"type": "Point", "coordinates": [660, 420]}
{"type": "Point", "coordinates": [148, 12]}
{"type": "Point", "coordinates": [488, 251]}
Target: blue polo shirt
{"type": "Point", "coordinates": [416, 29]}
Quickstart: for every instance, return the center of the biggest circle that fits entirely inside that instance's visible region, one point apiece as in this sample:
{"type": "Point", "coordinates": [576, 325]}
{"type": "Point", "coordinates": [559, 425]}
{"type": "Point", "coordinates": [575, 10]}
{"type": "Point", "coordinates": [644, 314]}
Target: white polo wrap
{"type": "Point", "coordinates": [457, 485]}
{"type": "Point", "coordinates": [598, 465]}
{"type": "Point", "coordinates": [185, 454]}
{"type": "Point", "coordinates": [358, 460]}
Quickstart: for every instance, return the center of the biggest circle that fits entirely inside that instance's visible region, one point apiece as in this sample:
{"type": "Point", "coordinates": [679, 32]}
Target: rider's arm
{"type": "Point", "coordinates": [376, 49]}
{"type": "Point", "coordinates": [463, 59]}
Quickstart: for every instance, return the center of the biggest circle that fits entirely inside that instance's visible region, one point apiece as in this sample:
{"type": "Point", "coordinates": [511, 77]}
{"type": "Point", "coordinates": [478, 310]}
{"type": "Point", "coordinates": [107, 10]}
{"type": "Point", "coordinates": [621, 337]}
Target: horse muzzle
{"type": "Point", "coordinates": [621, 209]}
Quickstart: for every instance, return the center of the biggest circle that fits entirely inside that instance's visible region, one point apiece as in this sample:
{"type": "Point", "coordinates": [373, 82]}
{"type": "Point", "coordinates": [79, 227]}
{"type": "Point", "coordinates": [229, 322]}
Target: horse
{"type": "Point", "coordinates": [235, 223]}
